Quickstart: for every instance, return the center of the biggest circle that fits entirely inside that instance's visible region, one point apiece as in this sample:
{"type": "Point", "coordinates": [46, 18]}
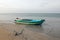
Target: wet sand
{"type": "Point", "coordinates": [30, 32]}
{"type": "Point", "coordinates": [4, 34]}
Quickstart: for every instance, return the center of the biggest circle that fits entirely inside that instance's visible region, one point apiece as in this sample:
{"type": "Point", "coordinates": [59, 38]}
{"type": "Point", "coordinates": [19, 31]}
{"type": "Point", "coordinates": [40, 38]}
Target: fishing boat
{"type": "Point", "coordinates": [30, 21]}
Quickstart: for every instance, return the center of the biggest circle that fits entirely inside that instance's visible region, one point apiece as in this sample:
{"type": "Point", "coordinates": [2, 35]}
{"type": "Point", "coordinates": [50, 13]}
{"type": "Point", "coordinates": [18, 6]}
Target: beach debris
{"type": "Point", "coordinates": [19, 33]}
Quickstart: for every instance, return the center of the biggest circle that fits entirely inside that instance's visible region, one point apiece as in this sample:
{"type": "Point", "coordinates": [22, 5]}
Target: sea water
{"type": "Point", "coordinates": [12, 16]}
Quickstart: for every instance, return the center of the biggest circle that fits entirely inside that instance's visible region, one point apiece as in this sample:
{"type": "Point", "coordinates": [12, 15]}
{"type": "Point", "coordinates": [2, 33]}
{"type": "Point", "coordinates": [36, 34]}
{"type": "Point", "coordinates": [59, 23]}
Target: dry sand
{"type": "Point", "coordinates": [8, 31]}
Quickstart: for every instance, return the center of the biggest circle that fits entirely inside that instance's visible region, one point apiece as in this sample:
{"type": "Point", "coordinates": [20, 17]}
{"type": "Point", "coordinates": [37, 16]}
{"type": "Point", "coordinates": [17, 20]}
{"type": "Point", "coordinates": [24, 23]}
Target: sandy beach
{"type": "Point", "coordinates": [8, 30]}
{"type": "Point", "coordinates": [25, 32]}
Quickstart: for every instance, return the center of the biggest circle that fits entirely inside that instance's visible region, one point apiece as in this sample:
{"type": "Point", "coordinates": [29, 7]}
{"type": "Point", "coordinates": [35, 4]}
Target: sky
{"type": "Point", "coordinates": [29, 6]}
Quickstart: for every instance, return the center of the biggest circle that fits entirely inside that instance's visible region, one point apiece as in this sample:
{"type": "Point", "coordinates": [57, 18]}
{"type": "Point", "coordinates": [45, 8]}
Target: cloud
{"type": "Point", "coordinates": [29, 6]}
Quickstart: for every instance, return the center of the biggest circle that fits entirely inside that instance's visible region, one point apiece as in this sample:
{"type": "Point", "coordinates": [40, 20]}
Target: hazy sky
{"type": "Point", "coordinates": [29, 6]}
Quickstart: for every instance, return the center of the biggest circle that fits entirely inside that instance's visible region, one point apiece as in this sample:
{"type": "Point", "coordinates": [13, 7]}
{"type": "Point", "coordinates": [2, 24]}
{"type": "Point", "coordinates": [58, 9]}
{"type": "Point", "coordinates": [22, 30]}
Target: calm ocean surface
{"type": "Point", "coordinates": [50, 27]}
{"type": "Point", "coordinates": [12, 16]}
